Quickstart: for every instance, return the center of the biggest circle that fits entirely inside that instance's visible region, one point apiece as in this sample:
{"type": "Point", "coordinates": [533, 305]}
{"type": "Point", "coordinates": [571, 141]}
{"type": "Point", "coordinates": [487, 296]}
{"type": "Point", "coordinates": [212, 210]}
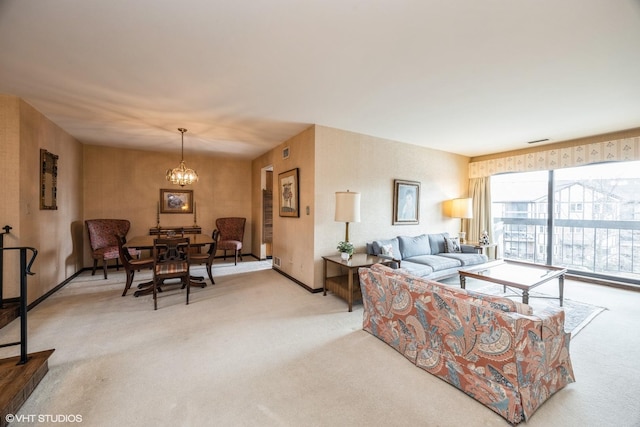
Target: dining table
{"type": "Point", "coordinates": [145, 242]}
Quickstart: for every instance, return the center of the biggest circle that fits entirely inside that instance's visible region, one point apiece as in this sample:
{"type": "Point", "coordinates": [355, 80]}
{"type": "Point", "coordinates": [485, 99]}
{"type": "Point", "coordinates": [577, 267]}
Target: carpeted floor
{"type": "Point", "coordinates": [258, 350]}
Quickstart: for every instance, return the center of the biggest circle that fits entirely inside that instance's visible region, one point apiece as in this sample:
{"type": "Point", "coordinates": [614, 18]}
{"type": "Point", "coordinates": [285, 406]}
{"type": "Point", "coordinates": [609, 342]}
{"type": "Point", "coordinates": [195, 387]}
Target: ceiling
{"type": "Point", "coordinates": [465, 76]}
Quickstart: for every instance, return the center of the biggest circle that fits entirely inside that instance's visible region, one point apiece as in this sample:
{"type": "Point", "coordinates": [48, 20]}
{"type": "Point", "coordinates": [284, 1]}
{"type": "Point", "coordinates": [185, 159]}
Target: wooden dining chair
{"type": "Point", "coordinates": [207, 257]}
{"type": "Point", "coordinates": [170, 261]}
{"type": "Point", "coordinates": [231, 235]}
{"type": "Point", "coordinates": [130, 263]}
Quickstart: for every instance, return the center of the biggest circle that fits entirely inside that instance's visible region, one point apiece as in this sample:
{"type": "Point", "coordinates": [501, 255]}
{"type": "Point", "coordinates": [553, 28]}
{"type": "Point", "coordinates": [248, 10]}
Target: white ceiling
{"type": "Point", "coordinates": [467, 76]}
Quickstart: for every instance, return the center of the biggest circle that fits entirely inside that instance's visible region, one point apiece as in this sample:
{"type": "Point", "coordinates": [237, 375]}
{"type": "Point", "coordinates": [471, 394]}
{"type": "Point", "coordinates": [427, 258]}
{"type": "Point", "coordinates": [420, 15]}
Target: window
{"type": "Point", "coordinates": [520, 209]}
{"type": "Point", "coordinates": [595, 229]}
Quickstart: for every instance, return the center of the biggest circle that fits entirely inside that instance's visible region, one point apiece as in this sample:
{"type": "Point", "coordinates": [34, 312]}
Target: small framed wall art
{"type": "Point", "coordinates": [406, 202]}
{"type": "Point", "coordinates": [48, 180]}
{"type": "Point", "coordinates": [289, 193]}
{"type": "Point", "coordinates": [176, 201]}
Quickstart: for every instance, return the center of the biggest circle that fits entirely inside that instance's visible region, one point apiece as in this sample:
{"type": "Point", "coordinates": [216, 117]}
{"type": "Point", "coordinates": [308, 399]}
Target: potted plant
{"type": "Point", "coordinates": [346, 250]}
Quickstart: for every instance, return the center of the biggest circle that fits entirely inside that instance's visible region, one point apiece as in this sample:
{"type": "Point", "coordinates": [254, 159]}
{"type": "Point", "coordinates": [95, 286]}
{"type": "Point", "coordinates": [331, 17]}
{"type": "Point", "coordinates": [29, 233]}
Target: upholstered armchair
{"type": "Point", "coordinates": [104, 243]}
{"type": "Point", "coordinates": [231, 235]}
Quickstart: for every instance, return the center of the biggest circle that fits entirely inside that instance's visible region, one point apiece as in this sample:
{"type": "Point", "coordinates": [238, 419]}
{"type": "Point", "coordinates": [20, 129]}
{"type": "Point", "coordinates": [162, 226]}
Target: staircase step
{"type": "Point", "coordinates": [8, 312]}
{"type": "Point", "coordinates": [17, 382]}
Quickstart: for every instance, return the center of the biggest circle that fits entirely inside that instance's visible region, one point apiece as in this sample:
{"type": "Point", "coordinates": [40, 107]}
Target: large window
{"type": "Point", "coordinates": [595, 225]}
{"type": "Point", "coordinates": [520, 214]}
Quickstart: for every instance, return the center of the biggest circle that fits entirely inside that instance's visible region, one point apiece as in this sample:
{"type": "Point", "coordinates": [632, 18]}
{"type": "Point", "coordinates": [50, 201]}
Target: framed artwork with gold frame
{"type": "Point", "coordinates": [289, 193]}
{"type": "Point", "coordinates": [176, 201]}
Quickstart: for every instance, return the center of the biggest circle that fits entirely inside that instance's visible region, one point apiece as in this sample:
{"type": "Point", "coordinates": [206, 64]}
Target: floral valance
{"type": "Point", "coordinates": [625, 149]}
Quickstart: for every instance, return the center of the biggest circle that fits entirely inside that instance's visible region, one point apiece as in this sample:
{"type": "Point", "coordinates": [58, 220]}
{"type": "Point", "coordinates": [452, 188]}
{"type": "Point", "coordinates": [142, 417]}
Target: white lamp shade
{"type": "Point", "coordinates": [347, 206]}
{"type": "Point", "coordinates": [462, 208]}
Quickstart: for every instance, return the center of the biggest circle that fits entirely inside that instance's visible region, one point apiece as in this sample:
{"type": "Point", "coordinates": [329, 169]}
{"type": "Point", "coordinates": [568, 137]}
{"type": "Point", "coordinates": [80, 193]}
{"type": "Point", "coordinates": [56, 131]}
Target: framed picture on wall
{"type": "Point", "coordinates": [48, 180]}
{"type": "Point", "coordinates": [176, 201]}
{"type": "Point", "coordinates": [289, 193]}
{"type": "Point", "coordinates": [406, 202]}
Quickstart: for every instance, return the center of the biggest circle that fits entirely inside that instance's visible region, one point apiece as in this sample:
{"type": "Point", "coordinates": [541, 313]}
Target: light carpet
{"type": "Point", "coordinates": [577, 315]}
{"type": "Point", "coordinates": [256, 349]}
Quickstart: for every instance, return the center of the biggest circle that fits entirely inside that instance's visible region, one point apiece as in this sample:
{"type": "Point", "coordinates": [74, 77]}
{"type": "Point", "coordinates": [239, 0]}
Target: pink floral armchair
{"type": "Point", "coordinates": [103, 240]}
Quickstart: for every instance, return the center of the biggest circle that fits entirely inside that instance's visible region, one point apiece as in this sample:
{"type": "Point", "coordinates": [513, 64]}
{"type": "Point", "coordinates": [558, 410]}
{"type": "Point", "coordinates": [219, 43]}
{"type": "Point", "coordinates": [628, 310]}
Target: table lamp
{"type": "Point", "coordinates": [347, 209]}
{"type": "Point", "coordinates": [463, 209]}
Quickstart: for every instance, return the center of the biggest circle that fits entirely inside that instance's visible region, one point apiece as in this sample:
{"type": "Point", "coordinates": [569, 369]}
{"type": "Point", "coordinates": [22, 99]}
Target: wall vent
{"type": "Point", "coordinates": [538, 140]}
{"type": "Point", "coordinates": [276, 261]}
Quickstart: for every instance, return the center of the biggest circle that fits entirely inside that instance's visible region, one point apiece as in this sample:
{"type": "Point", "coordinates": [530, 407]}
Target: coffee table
{"type": "Point", "coordinates": [515, 274]}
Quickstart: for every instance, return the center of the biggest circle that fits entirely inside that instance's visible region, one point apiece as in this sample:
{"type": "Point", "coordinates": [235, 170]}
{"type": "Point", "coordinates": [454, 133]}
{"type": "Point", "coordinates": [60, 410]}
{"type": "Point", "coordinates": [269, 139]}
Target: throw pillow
{"type": "Point", "coordinates": [387, 250]}
{"type": "Point", "coordinates": [411, 246]}
{"type": "Point", "coordinates": [452, 245]}
{"type": "Point", "coordinates": [378, 244]}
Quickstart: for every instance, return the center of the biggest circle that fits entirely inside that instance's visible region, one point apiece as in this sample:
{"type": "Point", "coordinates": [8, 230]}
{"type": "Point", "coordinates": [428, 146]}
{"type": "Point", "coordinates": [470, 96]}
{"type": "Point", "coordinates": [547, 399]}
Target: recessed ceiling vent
{"type": "Point", "coordinates": [538, 140]}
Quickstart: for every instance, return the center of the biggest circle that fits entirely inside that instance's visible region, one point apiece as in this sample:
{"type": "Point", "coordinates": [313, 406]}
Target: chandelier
{"type": "Point", "coordinates": [182, 175]}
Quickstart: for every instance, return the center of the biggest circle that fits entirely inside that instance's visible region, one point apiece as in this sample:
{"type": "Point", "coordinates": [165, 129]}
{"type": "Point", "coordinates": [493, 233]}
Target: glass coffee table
{"type": "Point", "coordinates": [523, 276]}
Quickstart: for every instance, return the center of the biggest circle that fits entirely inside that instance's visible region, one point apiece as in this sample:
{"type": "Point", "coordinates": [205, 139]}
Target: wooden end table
{"type": "Point", "coordinates": [343, 285]}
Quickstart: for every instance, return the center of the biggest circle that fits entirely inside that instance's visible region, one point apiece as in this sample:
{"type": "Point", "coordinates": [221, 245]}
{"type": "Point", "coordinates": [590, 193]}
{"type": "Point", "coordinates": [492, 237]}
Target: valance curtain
{"type": "Point", "coordinates": [618, 150]}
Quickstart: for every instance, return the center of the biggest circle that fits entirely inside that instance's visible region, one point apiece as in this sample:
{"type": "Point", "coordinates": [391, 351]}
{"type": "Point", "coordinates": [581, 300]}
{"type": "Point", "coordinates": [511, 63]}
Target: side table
{"type": "Point", "coordinates": [490, 249]}
{"type": "Point", "coordinates": [343, 285]}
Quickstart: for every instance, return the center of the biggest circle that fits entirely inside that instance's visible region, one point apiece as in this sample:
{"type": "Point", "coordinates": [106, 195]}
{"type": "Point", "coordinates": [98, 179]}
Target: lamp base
{"type": "Point", "coordinates": [462, 235]}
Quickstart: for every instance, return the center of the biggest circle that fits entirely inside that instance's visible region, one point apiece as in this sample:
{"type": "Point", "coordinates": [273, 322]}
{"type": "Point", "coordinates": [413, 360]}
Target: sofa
{"type": "Point", "coordinates": [432, 256]}
{"type": "Point", "coordinates": [496, 350]}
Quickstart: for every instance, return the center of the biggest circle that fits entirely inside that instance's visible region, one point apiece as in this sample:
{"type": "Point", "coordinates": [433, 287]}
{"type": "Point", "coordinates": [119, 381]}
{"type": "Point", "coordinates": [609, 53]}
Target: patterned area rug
{"type": "Point", "coordinates": [577, 315]}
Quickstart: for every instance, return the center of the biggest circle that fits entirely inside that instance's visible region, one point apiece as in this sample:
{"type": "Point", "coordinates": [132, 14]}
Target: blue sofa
{"type": "Point", "coordinates": [432, 256]}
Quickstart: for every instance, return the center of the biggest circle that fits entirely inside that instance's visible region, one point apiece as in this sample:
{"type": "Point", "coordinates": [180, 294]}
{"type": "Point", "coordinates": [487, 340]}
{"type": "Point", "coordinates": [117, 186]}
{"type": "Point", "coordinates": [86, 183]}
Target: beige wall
{"type": "Point", "coordinates": [121, 183]}
{"type": "Point", "coordinates": [369, 165]}
{"type": "Point", "coordinates": [56, 234]}
{"type": "Point", "coordinates": [10, 188]}
{"type": "Point", "coordinates": [293, 238]}
{"type": "Point", "coordinates": [333, 160]}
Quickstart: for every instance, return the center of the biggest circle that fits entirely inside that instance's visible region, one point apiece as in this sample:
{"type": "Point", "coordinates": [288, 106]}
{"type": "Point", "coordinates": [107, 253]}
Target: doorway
{"type": "Point", "coordinates": [266, 249]}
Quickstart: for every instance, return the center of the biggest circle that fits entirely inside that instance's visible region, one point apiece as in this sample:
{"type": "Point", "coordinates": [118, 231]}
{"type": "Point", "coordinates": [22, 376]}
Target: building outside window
{"type": "Point", "coordinates": [595, 229]}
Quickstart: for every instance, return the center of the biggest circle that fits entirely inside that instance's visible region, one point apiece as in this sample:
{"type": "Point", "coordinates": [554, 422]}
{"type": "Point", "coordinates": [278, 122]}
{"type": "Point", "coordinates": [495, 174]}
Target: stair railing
{"type": "Point", "coordinates": [6, 229]}
{"type": "Point", "coordinates": [25, 269]}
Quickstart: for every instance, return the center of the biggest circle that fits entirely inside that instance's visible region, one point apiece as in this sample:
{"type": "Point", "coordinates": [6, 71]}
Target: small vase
{"type": "Point", "coordinates": [345, 256]}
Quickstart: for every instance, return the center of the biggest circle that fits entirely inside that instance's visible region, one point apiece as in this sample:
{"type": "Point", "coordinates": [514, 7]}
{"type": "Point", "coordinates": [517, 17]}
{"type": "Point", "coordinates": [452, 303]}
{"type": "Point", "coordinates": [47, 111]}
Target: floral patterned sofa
{"type": "Point", "coordinates": [494, 349]}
